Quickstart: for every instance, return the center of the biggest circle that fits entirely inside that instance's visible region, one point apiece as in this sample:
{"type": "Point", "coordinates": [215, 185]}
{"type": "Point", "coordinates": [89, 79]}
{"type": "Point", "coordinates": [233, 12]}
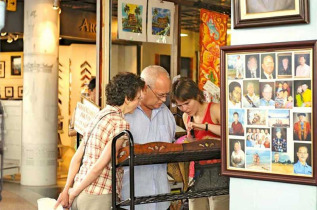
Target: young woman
{"type": "Point", "coordinates": [88, 185]}
{"type": "Point", "coordinates": [202, 121]}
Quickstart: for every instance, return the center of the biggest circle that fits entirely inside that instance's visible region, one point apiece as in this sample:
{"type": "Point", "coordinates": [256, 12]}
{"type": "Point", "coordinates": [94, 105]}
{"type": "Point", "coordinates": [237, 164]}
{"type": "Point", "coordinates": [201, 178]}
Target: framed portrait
{"type": "Point", "coordinates": [255, 13]}
{"type": "Point", "coordinates": [2, 69]}
{"type": "Point", "coordinates": [8, 92]}
{"type": "Point", "coordinates": [267, 121]}
{"type": "Point", "coordinates": [16, 67]}
{"type": "Point", "coordinates": [20, 91]}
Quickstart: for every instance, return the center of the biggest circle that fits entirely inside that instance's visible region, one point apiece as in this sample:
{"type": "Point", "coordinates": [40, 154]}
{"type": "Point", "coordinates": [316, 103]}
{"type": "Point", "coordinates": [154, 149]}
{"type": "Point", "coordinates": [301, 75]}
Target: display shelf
{"type": "Point", "coordinates": [161, 152]}
{"type": "Point", "coordinates": [176, 196]}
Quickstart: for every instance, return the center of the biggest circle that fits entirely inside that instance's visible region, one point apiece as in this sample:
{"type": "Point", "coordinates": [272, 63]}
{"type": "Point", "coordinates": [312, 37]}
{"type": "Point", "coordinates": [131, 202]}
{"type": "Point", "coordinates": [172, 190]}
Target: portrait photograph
{"type": "Point", "coordinates": [251, 97]}
{"type": "Point", "coordinates": [235, 66]}
{"type": "Point", "coordinates": [2, 69]}
{"type": "Point", "coordinates": [283, 95]}
{"type": "Point", "coordinates": [256, 116]}
{"type": "Point", "coordinates": [236, 120]}
{"type": "Point", "coordinates": [258, 137]}
{"type": "Point", "coordinates": [302, 126]}
{"type": "Point", "coordinates": [256, 13]}
{"type": "Point", "coordinates": [302, 93]}
{"type": "Point", "coordinates": [281, 163]}
{"type": "Point", "coordinates": [279, 140]}
{"type": "Point", "coordinates": [16, 65]}
{"type": "Point", "coordinates": [267, 94]}
{"type": "Point", "coordinates": [284, 65]}
{"type": "Point", "coordinates": [302, 159]}
{"type": "Point", "coordinates": [234, 94]}
{"type": "Point", "coordinates": [278, 118]}
{"type": "Point", "coordinates": [20, 91]}
{"type": "Point", "coordinates": [268, 112]}
{"type": "Point", "coordinates": [268, 66]}
{"type": "Point", "coordinates": [237, 153]}
{"type": "Point", "coordinates": [302, 65]}
{"type": "Point", "coordinates": [252, 66]}
{"type": "Point", "coordinates": [258, 160]}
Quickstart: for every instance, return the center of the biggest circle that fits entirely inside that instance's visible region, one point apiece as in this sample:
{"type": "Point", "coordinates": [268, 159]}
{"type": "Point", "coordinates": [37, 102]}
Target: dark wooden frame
{"type": "Point", "coordinates": [12, 91]}
{"type": "Point", "coordinates": [3, 69]}
{"type": "Point", "coordinates": [20, 88]}
{"type": "Point", "coordinates": [263, 48]}
{"type": "Point", "coordinates": [302, 17]}
{"type": "Point", "coordinates": [12, 60]}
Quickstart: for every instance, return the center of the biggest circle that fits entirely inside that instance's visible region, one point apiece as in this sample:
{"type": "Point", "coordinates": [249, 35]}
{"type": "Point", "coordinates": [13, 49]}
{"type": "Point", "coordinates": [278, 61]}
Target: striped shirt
{"type": "Point", "coordinates": [110, 122]}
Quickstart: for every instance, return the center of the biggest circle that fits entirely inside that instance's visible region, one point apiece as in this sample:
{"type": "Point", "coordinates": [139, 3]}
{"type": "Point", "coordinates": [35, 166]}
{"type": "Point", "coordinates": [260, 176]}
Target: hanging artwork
{"type": "Point", "coordinates": [132, 20]}
{"type": "Point", "coordinates": [160, 21]}
{"type": "Point", "coordinates": [213, 34]}
{"type": "Point", "coordinates": [269, 111]}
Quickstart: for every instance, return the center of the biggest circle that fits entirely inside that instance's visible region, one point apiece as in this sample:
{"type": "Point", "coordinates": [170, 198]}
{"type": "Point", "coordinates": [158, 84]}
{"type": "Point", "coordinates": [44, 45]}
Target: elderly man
{"type": "Point", "coordinates": [152, 121]}
{"type": "Point", "coordinates": [302, 128]}
{"type": "Point", "coordinates": [250, 99]}
{"type": "Point", "coordinates": [252, 67]}
{"type": "Point", "coordinates": [268, 67]}
{"type": "Point", "coordinates": [267, 96]}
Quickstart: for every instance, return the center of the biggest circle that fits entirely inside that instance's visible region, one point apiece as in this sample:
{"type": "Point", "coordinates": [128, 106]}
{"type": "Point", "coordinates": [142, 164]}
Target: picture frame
{"type": "Point", "coordinates": [20, 91]}
{"type": "Point", "coordinates": [2, 69]}
{"type": "Point", "coordinates": [254, 13]}
{"type": "Point", "coordinates": [267, 121]}
{"type": "Point", "coordinates": [8, 92]}
{"type": "Point", "coordinates": [16, 66]}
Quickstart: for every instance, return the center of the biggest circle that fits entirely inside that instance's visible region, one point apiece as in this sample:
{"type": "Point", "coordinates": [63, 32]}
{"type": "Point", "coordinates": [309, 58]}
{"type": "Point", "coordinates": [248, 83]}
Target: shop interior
{"type": "Point", "coordinates": [81, 57]}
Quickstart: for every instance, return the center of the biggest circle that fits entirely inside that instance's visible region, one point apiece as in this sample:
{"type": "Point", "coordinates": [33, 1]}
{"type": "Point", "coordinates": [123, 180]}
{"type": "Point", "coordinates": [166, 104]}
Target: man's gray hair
{"type": "Point", "coordinates": [151, 73]}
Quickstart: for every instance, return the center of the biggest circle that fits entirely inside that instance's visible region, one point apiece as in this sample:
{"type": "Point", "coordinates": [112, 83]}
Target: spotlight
{"type": "Point", "coordinates": [9, 40]}
{"type": "Point", "coordinates": [56, 4]}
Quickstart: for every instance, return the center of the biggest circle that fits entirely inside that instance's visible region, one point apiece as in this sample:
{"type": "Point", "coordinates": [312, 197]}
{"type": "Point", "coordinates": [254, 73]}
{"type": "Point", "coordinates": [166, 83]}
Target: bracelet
{"type": "Point", "coordinates": [206, 129]}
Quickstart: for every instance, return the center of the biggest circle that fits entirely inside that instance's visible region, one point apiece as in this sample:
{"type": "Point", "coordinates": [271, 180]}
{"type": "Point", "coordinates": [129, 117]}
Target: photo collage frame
{"type": "Point", "coordinates": [268, 111]}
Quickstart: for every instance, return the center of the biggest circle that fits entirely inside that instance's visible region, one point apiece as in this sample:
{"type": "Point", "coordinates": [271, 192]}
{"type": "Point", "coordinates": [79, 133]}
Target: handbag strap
{"type": "Point", "coordinates": [82, 158]}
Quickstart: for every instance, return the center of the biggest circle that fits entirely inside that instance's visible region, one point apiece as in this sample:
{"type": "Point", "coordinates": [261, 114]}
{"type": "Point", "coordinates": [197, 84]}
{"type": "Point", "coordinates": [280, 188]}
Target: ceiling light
{"type": "Point", "coordinates": [9, 40]}
{"type": "Point", "coordinates": [15, 37]}
{"type": "Point", "coordinates": [3, 33]}
{"type": "Point", "coordinates": [184, 34]}
{"type": "Point", "coordinates": [56, 4]}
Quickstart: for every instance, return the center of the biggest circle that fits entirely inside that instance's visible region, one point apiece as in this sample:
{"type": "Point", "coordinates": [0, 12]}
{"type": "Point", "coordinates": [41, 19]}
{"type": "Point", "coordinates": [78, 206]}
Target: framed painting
{"type": "Point", "coordinates": [254, 13]}
{"type": "Point", "coordinates": [16, 67]}
{"type": "Point", "coordinates": [132, 20]}
{"type": "Point", "coordinates": [268, 120]}
{"type": "Point", "coordinates": [20, 91]}
{"type": "Point", "coordinates": [8, 92]}
{"type": "Point", "coordinates": [2, 69]}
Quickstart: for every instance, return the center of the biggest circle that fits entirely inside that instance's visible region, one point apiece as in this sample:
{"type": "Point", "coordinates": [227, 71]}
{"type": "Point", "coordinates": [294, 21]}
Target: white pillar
{"type": "Point", "coordinates": [39, 128]}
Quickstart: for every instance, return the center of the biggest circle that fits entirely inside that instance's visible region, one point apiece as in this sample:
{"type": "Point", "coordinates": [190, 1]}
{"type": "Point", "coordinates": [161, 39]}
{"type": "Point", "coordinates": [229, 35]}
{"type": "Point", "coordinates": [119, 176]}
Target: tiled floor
{"type": "Point", "coordinates": [18, 197]}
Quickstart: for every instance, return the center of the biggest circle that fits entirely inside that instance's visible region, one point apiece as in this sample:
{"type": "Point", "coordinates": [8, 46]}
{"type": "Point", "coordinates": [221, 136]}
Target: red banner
{"type": "Point", "coordinates": [213, 35]}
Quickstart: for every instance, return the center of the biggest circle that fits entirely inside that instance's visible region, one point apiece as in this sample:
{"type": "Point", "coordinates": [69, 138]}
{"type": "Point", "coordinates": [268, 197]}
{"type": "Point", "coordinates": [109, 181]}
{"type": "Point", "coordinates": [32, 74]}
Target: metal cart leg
{"type": "Point", "coordinates": [131, 167]}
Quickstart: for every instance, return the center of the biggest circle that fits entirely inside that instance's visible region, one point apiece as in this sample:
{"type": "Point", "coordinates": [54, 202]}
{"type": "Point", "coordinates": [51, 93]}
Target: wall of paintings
{"type": "Point", "coordinates": [269, 111]}
{"type": "Point", "coordinates": [11, 79]}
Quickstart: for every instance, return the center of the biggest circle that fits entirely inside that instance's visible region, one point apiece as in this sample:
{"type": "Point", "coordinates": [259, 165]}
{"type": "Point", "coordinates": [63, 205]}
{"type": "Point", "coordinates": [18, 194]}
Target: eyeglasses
{"type": "Point", "coordinates": [159, 96]}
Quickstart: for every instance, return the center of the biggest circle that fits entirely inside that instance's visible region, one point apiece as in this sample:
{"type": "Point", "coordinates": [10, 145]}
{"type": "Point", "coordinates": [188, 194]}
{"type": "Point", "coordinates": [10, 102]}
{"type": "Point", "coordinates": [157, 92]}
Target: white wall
{"type": "Point", "coordinates": [263, 195]}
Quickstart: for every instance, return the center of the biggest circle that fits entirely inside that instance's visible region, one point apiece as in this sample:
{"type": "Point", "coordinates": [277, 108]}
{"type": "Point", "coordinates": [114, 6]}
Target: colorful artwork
{"type": "Point", "coordinates": [131, 19]}
{"type": "Point", "coordinates": [161, 21]}
{"type": "Point", "coordinates": [268, 107]}
{"type": "Point", "coordinates": [213, 34]}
